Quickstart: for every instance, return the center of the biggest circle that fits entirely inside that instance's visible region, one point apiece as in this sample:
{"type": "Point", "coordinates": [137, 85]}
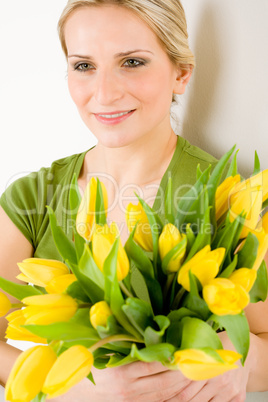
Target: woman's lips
{"type": "Point", "coordinates": [114, 117]}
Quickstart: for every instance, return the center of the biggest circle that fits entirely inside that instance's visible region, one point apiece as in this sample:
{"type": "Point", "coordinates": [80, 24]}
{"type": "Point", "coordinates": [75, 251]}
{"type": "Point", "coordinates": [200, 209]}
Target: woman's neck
{"type": "Point", "coordinates": [139, 163]}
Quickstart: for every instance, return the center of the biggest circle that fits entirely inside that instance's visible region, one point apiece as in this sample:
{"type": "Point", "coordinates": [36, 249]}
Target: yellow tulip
{"type": "Point", "coordinates": [204, 265]}
{"type": "Point", "coordinates": [99, 314]}
{"type": "Point", "coordinates": [5, 304]}
{"type": "Point", "coordinates": [85, 219]}
{"type": "Point", "coordinates": [143, 234]}
{"type": "Point", "coordinates": [60, 283]}
{"type": "Point", "coordinates": [168, 239]}
{"type": "Point", "coordinates": [70, 368]}
{"type": "Point", "coordinates": [198, 365]}
{"type": "Point", "coordinates": [50, 308]}
{"type": "Point", "coordinates": [102, 242]}
{"type": "Point", "coordinates": [253, 182]}
{"type": "Point", "coordinates": [261, 232]}
{"type": "Point", "coordinates": [40, 271]}
{"type": "Point", "coordinates": [29, 373]}
{"type": "Point", "coordinates": [249, 196]}
{"type": "Point", "coordinates": [222, 194]}
{"type": "Point", "coordinates": [225, 297]}
{"type": "Point", "coordinates": [15, 329]}
{"type": "Point", "coordinates": [244, 277]}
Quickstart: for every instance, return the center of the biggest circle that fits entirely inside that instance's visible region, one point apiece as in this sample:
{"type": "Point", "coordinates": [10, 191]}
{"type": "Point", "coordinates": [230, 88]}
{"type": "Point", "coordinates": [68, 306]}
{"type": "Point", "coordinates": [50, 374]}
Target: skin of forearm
{"type": "Point", "coordinates": [258, 363]}
{"type": "Point", "coordinates": [8, 355]}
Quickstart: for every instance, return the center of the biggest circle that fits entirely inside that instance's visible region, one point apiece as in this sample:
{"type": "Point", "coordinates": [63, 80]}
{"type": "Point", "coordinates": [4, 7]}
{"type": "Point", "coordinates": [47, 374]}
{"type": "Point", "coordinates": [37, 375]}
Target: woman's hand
{"type": "Point", "coordinates": [135, 382]}
{"type": "Point", "coordinates": [228, 387]}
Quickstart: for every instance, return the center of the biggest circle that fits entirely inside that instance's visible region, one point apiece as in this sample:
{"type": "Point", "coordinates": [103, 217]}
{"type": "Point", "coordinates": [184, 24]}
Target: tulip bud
{"type": "Point", "coordinates": [40, 271]}
{"type": "Point", "coordinates": [60, 283]}
{"type": "Point", "coordinates": [102, 242]}
{"type": "Point", "coordinates": [143, 234]}
{"type": "Point", "coordinates": [244, 277]}
{"type": "Point", "coordinates": [29, 373]}
{"type": "Point", "coordinates": [70, 368]}
{"type": "Point", "coordinates": [204, 265]}
{"type": "Point", "coordinates": [5, 304]}
{"type": "Point", "coordinates": [85, 218]}
{"type": "Point", "coordinates": [50, 308]}
{"type": "Point", "coordinates": [222, 194]}
{"type": "Point", "coordinates": [16, 331]}
{"type": "Point", "coordinates": [248, 201]}
{"type": "Point", "coordinates": [99, 314]}
{"type": "Point", "coordinates": [168, 239]}
{"type": "Point", "coordinates": [198, 365]}
{"type": "Point", "coordinates": [225, 297]}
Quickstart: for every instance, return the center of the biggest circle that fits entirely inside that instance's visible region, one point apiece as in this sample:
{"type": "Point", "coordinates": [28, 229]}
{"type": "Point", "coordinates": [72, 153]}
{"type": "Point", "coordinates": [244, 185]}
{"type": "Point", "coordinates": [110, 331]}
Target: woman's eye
{"type": "Point", "coordinates": [83, 67]}
{"type": "Point", "coordinates": [134, 63]}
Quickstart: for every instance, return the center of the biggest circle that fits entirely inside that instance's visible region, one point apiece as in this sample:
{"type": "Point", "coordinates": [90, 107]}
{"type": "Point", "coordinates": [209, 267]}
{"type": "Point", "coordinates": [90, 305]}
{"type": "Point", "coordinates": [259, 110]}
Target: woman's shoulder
{"type": "Point", "coordinates": [194, 152]}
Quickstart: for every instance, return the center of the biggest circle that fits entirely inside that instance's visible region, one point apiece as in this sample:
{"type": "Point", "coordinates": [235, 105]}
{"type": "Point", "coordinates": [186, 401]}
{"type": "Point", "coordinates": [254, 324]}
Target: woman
{"type": "Point", "coordinates": [126, 60]}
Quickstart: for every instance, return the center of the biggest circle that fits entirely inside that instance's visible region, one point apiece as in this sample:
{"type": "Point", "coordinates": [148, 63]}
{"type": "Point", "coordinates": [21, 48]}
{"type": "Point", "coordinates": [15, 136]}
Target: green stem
{"type": "Point", "coordinates": [113, 338]}
{"type": "Point", "coordinates": [169, 281]}
{"type": "Point", "coordinates": [178, 298]}
{"type": "Point", "coordinates": [125, 290]}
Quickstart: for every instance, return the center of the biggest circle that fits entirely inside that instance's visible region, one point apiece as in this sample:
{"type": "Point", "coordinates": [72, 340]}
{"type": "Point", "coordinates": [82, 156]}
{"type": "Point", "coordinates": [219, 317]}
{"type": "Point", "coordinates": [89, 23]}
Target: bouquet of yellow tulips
{"type": "Point", "coordinates": [178, 281]}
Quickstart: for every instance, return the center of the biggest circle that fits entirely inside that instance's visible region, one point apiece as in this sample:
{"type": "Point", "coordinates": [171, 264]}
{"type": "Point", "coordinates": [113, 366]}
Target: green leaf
{"type": "Point", "coordinates": [189, 198]}
{"type": "Point", "coordinates": [225, 238]}
{"type": "Point", "coordinates": [89, 268]}
{"type": "Point", "coordinates": [139, 313]}
{"type": "Point", "coordinates": [259, 289]}
{"type": "Point", "coordinates": [99, 206]}
{"type": "Point", "coordinates": [174, 331]}
{"type": "Point", "coordinates": [18, 291]}
{"type": "Point", "coordinates": [117, 360]}
{"type": "Point", "coordinates": [144, 265]}
{"type": "Point", "coordinates": [154, 336]}
{"type": "Point", "coordinates": [113, 295]}
{"type": "Point", "coordinates": [198, 334]}
{"type": "Point", "coordinates": [173, 253]}
{"type": "Point", "coordinates": [237, 330]}
{"type": "Point", "coordinates": [193, 301]}
{"type": "Point", "coordinates": [198, 172]}
{"type": "Point", "coordinates": [204, 236]}
{"type": "Point", "coordinates": [64, 245]}
{"type": "Point", "coordinates": [169, 203]}
{"type": "Point", "coordinates": [95, 293]}
{"type": "Point", "coordinates": [77, 292]}
{"type": "Point", "coordinates": [232, 171]}
{"type": "Point", "coordinates": [247, 255]}
{"type": "Point", "coordinates": [64, 331]}
{"type": "Point", "coordinates": [156, 227]}
{"type": "Point", "coordinates": [257, 165]}
{"type": "Point", "coordinates": [215, 177]}
{"type": "Point", "coordinates": [230, 269]}
{"type": "Point", "coordinates": [190, 238]}
{"type": "Point", "coordinates": [161, 352]}
{"type": "Point", "coordinates": [74, 201]}
{"type": "Point", "coordinates": [139, 257]}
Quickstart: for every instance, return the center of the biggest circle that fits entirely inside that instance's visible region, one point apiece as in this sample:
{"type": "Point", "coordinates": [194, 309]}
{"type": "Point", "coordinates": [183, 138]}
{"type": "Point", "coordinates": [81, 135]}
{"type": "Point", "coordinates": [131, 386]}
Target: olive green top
{"type": "Point", "coordinates": [26, 199]}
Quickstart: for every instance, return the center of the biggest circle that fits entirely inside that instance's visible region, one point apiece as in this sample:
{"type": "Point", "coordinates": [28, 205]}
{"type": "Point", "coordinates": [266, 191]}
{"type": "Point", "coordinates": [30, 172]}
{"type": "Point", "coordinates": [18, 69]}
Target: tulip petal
{"type": "Point", "coordinates": [70, 368]}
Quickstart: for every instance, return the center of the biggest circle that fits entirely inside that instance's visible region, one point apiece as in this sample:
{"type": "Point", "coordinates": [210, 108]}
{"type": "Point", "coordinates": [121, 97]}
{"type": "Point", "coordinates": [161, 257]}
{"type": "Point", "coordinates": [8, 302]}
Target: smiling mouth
{"type": "Point", "coordinates": [114, 115]}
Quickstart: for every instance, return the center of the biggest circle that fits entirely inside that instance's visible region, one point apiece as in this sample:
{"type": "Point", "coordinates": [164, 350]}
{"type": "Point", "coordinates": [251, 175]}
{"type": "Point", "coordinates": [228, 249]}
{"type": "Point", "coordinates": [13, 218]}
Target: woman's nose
{"type": "Point", "coordinates": [108, 88]}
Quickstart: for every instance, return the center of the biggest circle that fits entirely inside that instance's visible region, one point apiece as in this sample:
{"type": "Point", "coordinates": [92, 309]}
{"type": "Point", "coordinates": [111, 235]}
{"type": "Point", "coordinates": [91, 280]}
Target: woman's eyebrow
{"type": "Point", "coordinates": [121, 54]}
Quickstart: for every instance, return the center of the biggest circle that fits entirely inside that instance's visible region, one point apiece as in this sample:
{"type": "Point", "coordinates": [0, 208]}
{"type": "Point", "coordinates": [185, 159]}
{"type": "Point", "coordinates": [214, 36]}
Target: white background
{"type": "Point", "coordinates": [226, 101]}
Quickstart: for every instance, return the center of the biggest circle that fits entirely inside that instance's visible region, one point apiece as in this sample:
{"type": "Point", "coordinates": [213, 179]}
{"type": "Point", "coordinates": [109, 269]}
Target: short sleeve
{"type": "Point", "coordinates": [23, 202]}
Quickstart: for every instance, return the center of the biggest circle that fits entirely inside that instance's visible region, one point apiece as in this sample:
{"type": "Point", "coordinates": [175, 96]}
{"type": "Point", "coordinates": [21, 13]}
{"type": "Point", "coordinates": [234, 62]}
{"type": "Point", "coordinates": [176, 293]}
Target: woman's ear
{"type": "Point", "coordinates": [182, 80]}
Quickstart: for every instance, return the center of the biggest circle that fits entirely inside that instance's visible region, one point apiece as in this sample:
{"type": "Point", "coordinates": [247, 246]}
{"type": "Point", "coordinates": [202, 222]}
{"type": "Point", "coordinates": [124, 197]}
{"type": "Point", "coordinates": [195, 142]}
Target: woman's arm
{"type": "Point", "coordinates": [14, 247]}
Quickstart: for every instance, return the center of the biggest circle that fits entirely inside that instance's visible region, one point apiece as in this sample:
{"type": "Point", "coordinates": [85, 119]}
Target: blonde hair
{"type": "Point", "coordinates": [165, 17]}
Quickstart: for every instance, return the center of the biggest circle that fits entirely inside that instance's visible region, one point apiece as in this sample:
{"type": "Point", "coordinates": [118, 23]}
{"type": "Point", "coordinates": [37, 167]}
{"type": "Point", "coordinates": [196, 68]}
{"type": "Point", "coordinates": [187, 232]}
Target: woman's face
{"type": "Point", "coordinates": [119, 76]}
